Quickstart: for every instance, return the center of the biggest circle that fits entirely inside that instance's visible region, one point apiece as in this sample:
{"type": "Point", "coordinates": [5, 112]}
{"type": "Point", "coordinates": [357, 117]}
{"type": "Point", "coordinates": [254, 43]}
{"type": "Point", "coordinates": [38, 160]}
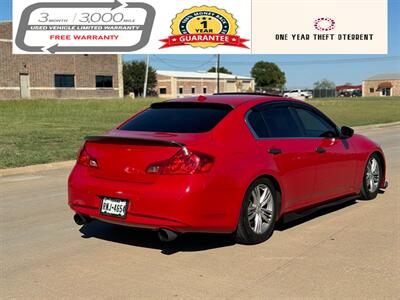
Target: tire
{"type": "Point", "coordinates": [256, 209]}
{"type": "Point", "coordinates": [371, 178]}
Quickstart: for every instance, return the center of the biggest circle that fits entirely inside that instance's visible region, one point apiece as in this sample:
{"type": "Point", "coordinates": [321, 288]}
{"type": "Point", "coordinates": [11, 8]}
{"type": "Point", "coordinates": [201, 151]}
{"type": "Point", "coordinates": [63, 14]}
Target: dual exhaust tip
{"type": "Point", "coordinates": [81, 219]}
{"type": "Point", "coordinates": [165, 235]}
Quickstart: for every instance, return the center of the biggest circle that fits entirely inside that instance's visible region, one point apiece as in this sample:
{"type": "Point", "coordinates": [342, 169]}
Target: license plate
{"type": "Point", "coordinates": [114, 207]}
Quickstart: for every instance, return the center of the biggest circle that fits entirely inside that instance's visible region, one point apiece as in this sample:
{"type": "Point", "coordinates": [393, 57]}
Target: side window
{"type": "Point", "coordinates": [280, 123]}
{"type": "Point", "coordinates": [315, 125]}
{"type": "Point", "coordinates": [257, 123]}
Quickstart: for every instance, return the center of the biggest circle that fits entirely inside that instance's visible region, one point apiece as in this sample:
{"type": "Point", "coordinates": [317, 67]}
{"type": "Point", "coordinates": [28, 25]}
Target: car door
{"type": "Point", "coordinates": [281, 141]}
{"type": "Point", "coordinates": [335, 157]}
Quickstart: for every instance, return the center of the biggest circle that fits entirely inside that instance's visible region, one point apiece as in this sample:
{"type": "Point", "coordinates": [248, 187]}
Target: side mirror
{"type": "Point", "coordinates": [346, 132]}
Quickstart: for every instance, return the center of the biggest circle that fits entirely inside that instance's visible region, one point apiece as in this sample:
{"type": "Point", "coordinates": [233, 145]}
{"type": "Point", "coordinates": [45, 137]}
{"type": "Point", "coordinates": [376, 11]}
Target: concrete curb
{"type": "Point", "coordinates": [374, 126]}
{"type": "Point", "coordinates": [70, 163]}
{"type": "Point", "coordinates": [37, 168]}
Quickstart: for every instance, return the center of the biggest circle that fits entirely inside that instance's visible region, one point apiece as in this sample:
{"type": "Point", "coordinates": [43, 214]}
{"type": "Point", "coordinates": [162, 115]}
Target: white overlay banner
{"type": "Point", "coordinates": [200, 26]}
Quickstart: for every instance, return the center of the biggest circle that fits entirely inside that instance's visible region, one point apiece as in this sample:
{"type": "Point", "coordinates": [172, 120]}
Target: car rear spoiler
{"type": "Point", "coordinates": [131, 141]}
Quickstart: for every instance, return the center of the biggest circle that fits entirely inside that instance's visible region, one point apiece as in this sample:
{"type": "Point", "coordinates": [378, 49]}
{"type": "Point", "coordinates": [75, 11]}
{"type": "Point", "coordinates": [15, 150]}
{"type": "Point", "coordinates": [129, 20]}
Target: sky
{"type": "Point", "coordinates": [301, 70]}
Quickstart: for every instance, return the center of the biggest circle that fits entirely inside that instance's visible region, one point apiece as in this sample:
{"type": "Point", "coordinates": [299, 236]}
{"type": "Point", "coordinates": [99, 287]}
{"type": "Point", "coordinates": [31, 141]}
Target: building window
{"type": "Point", "coordinates": [204, 90]}
{"type": "Point", "coordinates": [386, 92]}
{"type": "Point", "coordinates": [180, 90]}
{"type": "Point", "coordinates": [64, 81]}
{"type": "Point", "coordinates": [371, 90]}
{"type": "Point", "coordinates": [163, 91]}
{"type": "Point", "coordinates": [104, 81]}
{"type": "Point", "coordinates": [193, 90]}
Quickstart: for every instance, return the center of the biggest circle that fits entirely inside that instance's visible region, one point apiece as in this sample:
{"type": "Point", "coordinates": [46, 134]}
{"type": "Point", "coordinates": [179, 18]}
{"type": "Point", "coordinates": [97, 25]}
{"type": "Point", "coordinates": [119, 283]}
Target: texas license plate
{"type": "Point", "coordinates": [114, 207]}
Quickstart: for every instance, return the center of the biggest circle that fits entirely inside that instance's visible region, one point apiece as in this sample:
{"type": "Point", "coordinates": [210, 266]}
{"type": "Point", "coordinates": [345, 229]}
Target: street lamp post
{"type": "Point", "coordinates": [146, 77]}
{"type": "Point", "coordinates": [217, 70]}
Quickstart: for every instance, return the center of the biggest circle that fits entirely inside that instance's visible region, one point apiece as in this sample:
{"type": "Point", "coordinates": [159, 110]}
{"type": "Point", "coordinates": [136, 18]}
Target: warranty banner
{"type": "Point", "coordinates": [200, 26]}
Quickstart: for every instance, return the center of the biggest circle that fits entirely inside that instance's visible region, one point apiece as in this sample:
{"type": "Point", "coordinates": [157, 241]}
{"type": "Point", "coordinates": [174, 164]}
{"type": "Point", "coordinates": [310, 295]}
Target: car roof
{"type": "Point", "coordinates": [233, 100]}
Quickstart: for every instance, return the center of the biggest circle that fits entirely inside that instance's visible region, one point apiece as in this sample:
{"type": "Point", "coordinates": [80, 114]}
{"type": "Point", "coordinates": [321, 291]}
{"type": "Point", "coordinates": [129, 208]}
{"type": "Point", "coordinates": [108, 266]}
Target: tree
{"type": "Point", "coordinates": [324, 84]}
{"type": "Point", "coordinates": [221, 70]}
{"type": "Point", "coordinates": [268, 75]}
{"type": "Point", "coordinates": [134, 75]}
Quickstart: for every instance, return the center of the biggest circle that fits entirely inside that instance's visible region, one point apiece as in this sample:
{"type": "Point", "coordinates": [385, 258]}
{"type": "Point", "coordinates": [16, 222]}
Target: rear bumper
{"type": "Point", "coordinates": [133, 220]}
{"type": "Point", "coordinates": [180, 203]}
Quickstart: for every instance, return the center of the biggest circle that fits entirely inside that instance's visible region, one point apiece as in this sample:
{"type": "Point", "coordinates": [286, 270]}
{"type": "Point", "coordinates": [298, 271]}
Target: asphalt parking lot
{"type": "Point", "coordinates": [351, 251]}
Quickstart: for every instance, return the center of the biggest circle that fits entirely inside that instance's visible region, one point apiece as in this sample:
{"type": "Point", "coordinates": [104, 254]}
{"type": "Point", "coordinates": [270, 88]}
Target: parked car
{"type": "Point", "coordinates": [356, 93]}
{"type": "Point", "coordinates": [344, 94]}
{"type": "Point", "coordinates": [233, 163]}
{"type": "Point", "coordinates": [298, 94]}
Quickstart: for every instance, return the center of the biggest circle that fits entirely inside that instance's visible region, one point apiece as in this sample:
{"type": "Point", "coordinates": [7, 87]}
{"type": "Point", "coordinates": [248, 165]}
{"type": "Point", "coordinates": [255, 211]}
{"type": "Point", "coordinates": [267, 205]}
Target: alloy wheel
{"type": "Point", "coordinates": [372, 175]}
{"type": "Point", "coordinates": [260, 209]}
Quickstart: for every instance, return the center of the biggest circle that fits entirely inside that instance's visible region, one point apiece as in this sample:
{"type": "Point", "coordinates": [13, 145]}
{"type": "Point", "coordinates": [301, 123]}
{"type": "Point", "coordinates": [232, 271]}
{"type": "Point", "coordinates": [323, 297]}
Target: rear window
{"type": "Point", "coordinates": [274, 122]}
{"type": "Point", "coordinates": [178, 117]}
{"type": "Point", "coordinates": [280, 123]}
{"type": "Point", "coordinates": [257, 123]}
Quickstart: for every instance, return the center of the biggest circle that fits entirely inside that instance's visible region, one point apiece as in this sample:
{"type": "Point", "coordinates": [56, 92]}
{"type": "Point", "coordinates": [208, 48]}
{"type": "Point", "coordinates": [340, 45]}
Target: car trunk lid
{"type": "Point", "coordinates": [125, 156]}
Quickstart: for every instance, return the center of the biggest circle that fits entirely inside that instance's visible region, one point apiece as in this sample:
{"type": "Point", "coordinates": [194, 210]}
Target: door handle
{"type": "Point", "coordinates": [274, 151]}
{"type": "Point", "coordinates": [320, 150]}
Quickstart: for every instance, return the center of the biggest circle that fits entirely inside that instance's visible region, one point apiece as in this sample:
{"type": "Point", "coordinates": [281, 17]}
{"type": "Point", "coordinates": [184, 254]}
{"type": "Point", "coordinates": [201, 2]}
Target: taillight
{"type": "Point", "coordinates": [183, 162]}
{"type": "Point", "coordinates": [84, 159]}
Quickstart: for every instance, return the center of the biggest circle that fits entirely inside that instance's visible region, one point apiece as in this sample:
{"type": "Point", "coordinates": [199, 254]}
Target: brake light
{"type": "Point", "coordinates": [85, 159]}
{"type": "Point", "coordinates": [183, 162]}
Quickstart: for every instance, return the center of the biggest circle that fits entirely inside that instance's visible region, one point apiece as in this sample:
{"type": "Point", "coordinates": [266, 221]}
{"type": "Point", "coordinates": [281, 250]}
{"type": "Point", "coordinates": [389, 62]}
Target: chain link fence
{"type": "Point", "coordinates": [316, 93]}
{"type": "Point", "coordinates": [324, 93]}
{"type": "Point", "coordinates": [270, 90]}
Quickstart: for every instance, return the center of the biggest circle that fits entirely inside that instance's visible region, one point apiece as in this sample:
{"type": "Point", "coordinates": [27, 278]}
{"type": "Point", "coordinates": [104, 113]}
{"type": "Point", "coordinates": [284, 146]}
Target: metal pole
{"type": "Point", "coordinates": [146, 77]}
{"type": "Point", "coordinates": [217, 70]}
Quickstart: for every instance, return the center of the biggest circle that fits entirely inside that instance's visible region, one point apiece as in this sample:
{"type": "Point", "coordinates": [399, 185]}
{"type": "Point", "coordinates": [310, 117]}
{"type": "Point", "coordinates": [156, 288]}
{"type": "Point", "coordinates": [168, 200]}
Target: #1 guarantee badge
{"type": "Point", "coordinates": [204, 27]}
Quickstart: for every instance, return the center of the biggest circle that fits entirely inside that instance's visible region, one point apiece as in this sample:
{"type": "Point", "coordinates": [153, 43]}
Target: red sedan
{"type": "Point", "coordinates": [228, 163]}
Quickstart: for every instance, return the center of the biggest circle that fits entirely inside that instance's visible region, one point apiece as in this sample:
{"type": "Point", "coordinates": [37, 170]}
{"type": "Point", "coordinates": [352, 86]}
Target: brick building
{"type": "Point", "coordinates": [172, 84]}
{"type": "Point", "coordinates": [57, 76]}
{"type": "Point", "coordinates": [382, 85]}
